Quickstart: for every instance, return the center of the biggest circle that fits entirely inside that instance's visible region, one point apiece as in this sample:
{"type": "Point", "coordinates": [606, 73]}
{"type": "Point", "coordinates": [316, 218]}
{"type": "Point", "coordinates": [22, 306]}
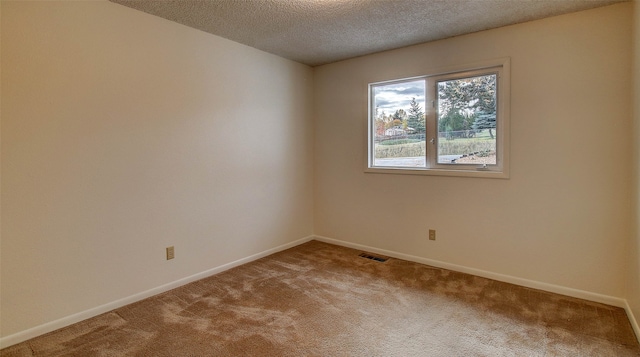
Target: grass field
{"type": "Point", "coordinates": [482, 143]}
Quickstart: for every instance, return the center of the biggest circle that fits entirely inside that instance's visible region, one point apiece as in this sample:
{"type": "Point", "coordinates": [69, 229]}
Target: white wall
{"type": "Point", "coordinates": [122, 134]}
{"type": "Point", "coordinates": [633, 293]}
{"type": "Point", "coordinates": [563, 218]}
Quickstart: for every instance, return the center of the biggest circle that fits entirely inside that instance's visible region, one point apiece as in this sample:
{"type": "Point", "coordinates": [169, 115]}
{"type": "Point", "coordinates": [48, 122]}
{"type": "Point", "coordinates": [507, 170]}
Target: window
{"type": "Point", "coordinates": [454, 123]}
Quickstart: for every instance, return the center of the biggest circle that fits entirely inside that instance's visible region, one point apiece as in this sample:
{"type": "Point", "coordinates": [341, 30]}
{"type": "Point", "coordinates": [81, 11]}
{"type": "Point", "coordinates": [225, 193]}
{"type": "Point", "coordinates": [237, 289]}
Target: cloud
{"type": "Point", "coordinates": [394, 96]}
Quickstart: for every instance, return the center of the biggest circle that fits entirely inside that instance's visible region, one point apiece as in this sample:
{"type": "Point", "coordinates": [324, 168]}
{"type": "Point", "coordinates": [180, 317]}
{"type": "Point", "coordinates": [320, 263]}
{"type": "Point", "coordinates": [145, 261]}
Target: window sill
{"type": "Point", "coordinates": [438, 172]}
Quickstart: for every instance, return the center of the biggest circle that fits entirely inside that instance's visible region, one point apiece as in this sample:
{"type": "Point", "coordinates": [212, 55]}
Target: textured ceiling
{"type": "Point", "coordinates": [317, 32]}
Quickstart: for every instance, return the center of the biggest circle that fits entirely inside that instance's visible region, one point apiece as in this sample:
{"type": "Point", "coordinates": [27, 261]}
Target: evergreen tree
{"type": "Point", "coordinates": [485, 121]}
{"type": "Point", "coordinates": [468, 103]}
{"type": "Point", "coordinates": [415, 119]}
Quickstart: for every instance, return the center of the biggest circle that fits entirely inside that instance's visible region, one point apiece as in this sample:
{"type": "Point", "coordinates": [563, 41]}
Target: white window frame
{"type": "Point", "coordinates": [501, 67]}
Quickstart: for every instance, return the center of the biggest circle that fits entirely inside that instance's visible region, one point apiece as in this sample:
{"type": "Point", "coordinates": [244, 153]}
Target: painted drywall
{"type": "Point", "coordinates": [122, 134]}
{"type": "Point", "coordinates": [633, 287]}
{"type": "Point", "coordinates": [563, 217]}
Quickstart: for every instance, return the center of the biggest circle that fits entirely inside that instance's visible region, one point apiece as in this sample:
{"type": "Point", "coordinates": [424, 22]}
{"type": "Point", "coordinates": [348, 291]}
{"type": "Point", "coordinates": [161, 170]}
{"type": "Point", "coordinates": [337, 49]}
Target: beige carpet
{"type": "Point", "coordinates": [323, 300]}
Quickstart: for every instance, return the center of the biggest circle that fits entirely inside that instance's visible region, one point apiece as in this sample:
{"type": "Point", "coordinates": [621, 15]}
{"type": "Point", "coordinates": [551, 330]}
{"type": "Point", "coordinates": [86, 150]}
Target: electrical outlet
{"type": "Point", "coordinates": [170, 253]}
{"type": "Point", "coordinates": [432, 234]}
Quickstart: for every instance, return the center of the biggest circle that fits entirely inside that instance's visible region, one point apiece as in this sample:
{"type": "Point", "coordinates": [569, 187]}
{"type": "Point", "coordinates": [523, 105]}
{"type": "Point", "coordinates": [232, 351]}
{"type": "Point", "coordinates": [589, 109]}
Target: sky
{"type": "Point", "coordinates": [394, 96]}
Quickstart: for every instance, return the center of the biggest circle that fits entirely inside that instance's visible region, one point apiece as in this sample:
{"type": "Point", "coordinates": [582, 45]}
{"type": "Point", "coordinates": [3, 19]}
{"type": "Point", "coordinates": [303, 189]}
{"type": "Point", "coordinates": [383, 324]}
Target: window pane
{"type": "Point", "coordinates": [467, 120]}
{"type": "Point", "coordinates": [399, 124]}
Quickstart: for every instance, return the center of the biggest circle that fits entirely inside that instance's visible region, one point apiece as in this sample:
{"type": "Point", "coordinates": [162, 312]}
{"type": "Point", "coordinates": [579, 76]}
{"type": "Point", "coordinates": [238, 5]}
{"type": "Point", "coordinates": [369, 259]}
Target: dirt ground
{"type": "Point", "coordinates": [489, 160]}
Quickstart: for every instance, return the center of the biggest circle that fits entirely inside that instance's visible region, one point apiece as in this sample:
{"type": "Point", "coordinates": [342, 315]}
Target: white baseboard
{"type": "Point", "coordinates": [632, 319]}
{"type": "Point", "coordinates": [581, 294]}
{"type": "Point", "coordinates": [71, 319]}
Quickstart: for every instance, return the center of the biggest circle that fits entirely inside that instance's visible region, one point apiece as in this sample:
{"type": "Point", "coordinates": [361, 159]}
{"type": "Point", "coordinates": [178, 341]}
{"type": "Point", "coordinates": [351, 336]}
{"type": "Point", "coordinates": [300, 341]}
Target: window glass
{"type": "Point", "coordinates": [467, 120]}
{"type": "Point", "coordinates": [399, 124]}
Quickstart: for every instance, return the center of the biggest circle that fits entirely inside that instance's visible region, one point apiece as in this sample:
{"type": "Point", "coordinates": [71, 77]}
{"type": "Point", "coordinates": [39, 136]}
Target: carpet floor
{"type": "Point", "coordinates": [319, 299]}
